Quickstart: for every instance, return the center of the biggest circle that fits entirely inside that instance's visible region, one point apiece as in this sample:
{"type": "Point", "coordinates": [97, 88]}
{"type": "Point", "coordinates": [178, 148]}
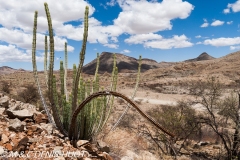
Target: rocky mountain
{"type": "Point", "coordinates": [124, 64]}
{"type": "Point", "coordinates": [202, 57]}
{"type": "Point", "coordinates": [9, 70]}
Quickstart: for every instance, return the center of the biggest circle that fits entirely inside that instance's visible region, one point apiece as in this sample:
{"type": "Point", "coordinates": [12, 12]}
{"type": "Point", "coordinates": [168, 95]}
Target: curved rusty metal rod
{"type": "Point", "coordinates": [116, 94]}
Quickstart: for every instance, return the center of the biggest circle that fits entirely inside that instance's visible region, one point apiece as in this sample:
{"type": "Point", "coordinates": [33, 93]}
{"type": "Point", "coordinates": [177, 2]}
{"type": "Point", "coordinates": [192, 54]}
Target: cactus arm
{"type": "Point", "coordinates": [50, 76]}
{"type": "Point", "coordinates": [65, 74]}
{"type": "Point", "coordinates": [134, 93]}
{"type": "Point", "coordinates": [35, 68]}
{"type": "Point", "coordinates": [45, 61]}
{"type": "Point", "coordinates": [82, 56]}
{"type": "Point", "coordinates": [112, 100]}
{"type": "Point", "coordinates": [62, 78]}
{"type": "Point", "coordinates": [97, 67]}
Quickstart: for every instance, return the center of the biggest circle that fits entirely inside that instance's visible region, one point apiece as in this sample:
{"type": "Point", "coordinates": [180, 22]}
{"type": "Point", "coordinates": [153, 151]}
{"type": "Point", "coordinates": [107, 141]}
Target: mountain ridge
{"type": "Point", "coordinates": [202, 57]}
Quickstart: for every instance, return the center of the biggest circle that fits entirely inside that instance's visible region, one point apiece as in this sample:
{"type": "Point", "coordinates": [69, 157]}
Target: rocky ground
{"type": "Point", "coordinates": [26, 134]}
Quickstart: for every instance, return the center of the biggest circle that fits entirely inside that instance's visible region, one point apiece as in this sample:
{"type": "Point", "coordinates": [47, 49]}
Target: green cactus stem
{"type": "Point", "coordinates": [62, 78]}
{"type": "Point", "coordinates": [82, 57]}
{"type": "Point", "coordinates": [50, 75]}
{"type": "Point", "coordinates": [35, 67]}
{"type": "Point", "coordinates": [45, 61]}
{"type": "Point", "coordinates": [65, 73]}
{"type": "Point", "coordinates": [133, 95]}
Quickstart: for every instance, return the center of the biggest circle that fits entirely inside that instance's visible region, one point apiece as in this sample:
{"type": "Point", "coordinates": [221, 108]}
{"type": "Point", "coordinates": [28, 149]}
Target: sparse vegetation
{"type": "Point", "coordinates": [29, 94]}
{"type": "Point", "coordinates": [5, 87]}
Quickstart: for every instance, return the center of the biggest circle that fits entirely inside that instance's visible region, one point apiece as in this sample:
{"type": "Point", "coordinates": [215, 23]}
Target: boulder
{"type": "Point", "coordinates": [20, 114]}
{"type": "Point", "coordinates": [22, 144]}
{"type": "Point", "coordinates": [16, 125]}
{"type": "Point", "coordinates": [4, 102]}
{"type": "Point", "coordinates": [48, 127]}
{"type": "Point", "coordinates": [1, 150]}
{"type": "Point", "coordinates": [4, 138]}
{"type": "Point", "coordinates": [40, 118]}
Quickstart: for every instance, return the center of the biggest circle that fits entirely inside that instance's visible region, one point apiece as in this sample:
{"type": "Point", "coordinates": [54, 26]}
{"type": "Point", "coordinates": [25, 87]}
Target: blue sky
{"type": "Point", "coordinates": [163, 30]}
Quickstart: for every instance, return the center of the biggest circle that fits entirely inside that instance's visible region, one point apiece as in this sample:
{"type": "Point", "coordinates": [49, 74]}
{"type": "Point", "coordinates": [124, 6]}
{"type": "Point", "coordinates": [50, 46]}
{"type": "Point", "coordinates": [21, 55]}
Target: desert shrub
{"type": "Point", "coordinates": [128, 121]}
{"type": "Point", "coordinates": [219, 110]}
{"type": "Point", "coordinates": [179, 120]}
{"type": "Point", "coordinates": [29, 94]}
{"type": "Point", "coordinates": [120, 101]}
{"type": "Point", "coordinates": [5, 87]}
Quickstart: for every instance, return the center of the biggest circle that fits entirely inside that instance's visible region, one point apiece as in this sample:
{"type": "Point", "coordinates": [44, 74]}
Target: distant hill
{"type": "Point", "coordinates": [202, 57]}
{"type": "Point", "coordinates": [9, 70]}
{"type": "Point", "coordinates": [124, 64]}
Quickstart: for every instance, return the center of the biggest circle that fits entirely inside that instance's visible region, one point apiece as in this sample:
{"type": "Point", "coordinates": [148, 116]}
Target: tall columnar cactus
{"type": "Point", "coordinates": [91, 115]}
{"type": "Point", "coordinates": [45, 60]}
{"type": "Point", "coordinates": [50, 75]}
{"type": "Point", "coordinates": [35, 67]}
{"type": "Point", "coordinates": [65, 73]}
{"type": "Point", "coordinates": [133, 95]}
{"type": "Point", "coordinates": [62, 78]}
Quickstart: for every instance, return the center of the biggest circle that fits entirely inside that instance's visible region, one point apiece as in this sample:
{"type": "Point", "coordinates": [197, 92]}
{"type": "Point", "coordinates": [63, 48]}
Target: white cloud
{"type": "Point", "coordinates": [24, 40]}
{"type": "Point", "coordinates": [157, 41]}
{"type": "Point", "coordinates": [217, 42]}
{"type": "Point", "coordinates": [230, 22]}
{"type": "Point", "coordinates": [235, 7]}
{"type": "Point", "coordinates": [126, 51]}
{"type": "Point", "coordinates": [11, 53]}
{"type": "Point", "coordinates": [205, 24]}
{"type": "Point", "coordinates": [142, 38]}
{"type": "Point", "coordinates": [234, 47]}
{"type": "Point", "coordinates": [227, 10]}
{"type": "Point", "coordinates": [61, 12]}
{"type": "Point", "coordinates": [115, 46]}
{"type": "Point", "coordinates": [217, 23]}
{"type": "Point", "coordinates": [199, 43]}
{"type": "Point", "coordinates": [198, 36]}
{"type": "Point", "coordinates": [139, 17]}
{"type": "Point", "coordinates": [111, 3]}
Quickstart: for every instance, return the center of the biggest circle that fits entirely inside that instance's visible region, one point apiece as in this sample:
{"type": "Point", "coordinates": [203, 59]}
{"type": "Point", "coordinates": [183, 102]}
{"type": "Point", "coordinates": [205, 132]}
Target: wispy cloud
{"type": "Point", "coordinates": [205, 24]}
{"type": "Point", "coordinates": [235, 7]}
{"type": "Point", "coordinates": [126, 51]}
{"type": "Point", "coordinates": [219, 42]}
{"type": "Point", "coordinates": [217, 23]}
{"type": "Point", "coordinates": [111, 3]}
{"type": "Point", "coordinates": [157, 41]}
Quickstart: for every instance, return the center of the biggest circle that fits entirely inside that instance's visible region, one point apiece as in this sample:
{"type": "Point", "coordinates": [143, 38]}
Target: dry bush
{"type": "Point", "coordinates": [220, 114]}
{"type": "Point", "coordinates": [5, 87]}
{"type": "Point", "coordinates": [29, 94]}
{"type": "Point", "coordinates": [180, 119]}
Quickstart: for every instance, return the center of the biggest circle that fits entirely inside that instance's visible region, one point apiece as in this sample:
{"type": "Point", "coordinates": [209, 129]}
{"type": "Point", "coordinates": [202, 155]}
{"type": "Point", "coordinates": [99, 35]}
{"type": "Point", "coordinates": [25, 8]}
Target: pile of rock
{"type": "Point", "coordinates": [26, 134]}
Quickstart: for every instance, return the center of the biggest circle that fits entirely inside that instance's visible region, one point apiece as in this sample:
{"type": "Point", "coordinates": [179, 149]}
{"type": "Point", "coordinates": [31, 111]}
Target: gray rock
{"type": "Point", "coordinates": [20, 114]}
{"type": "Point", "coordinates": [4, 102]}
{"type": "Point", "coordinates": [4, 139]}
{"type": "Point", "coordinates": [2, 110]}
{"type": "Point", "coordinates": [81, 142]}
{"type": "Point", "coordinates": [16, 125]}
{"type": "Point", "coordinates": [48, 127]}
{"type": "Point", "coordinates": [57, 150]}
{"type": "Point", "coordinates": [1, 150]}
{"type": "Point", "coordinates": [103, 146]}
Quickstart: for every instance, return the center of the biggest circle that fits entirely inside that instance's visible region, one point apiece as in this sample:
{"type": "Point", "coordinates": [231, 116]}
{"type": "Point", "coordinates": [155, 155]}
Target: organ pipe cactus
{"type": "Point", "coordinates": [95, 106]}
{"type": "Point", "coordinates": [65, 73]}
